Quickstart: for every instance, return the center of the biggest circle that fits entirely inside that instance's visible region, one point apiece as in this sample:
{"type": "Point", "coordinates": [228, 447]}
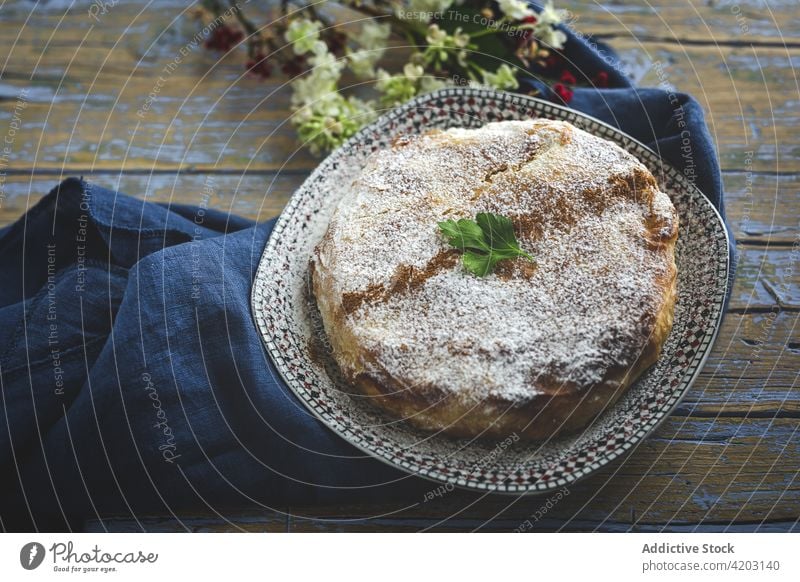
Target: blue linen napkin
{"type": "Point", "coordinates": [133, 379]}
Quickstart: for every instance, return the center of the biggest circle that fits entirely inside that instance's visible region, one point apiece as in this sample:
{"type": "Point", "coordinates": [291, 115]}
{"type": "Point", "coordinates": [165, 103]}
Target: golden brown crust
{"type": "Point", "coordinates": [554, 403]}
{"type": "Point", "coordinates": [561, 409]}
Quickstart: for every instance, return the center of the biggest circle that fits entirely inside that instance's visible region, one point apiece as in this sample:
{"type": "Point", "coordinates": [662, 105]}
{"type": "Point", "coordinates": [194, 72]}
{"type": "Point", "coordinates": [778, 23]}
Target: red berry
{"type": "Point", "coordinates": [258, 66]}
{"type": "Point", "coordinates": [568, 78]}
{"type": "Point", "coordinates": [223, 38]}
{"type": "Point", "coordinates": [563, 92]}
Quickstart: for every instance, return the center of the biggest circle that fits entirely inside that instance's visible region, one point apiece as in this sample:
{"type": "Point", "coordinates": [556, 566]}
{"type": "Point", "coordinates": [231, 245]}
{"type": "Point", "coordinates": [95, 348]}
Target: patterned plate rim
{"type": "Point", "coordinates": [636, 438]}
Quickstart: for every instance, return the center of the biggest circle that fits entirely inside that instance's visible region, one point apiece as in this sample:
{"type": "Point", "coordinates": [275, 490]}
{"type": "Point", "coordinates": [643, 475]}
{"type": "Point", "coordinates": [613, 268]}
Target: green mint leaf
{"type": "Point", "coordinates": [499, 232]}
{"type": "Point", "coordinates": [485, 241]}
{"type": "Point", "coordinates": [464, 234]}
{"type": "Point", "coordinates": [480, 264]}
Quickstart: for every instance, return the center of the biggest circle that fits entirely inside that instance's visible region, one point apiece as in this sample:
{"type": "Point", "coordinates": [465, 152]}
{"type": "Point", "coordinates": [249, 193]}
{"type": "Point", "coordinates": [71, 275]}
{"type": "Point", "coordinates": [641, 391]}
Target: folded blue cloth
{"type": "Point", "coordinates": [133, 379]}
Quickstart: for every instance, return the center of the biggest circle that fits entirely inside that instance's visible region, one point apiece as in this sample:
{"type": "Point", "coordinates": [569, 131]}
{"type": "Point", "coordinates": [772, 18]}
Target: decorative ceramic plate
{"type": "Point", "coordinates": [291, 328]}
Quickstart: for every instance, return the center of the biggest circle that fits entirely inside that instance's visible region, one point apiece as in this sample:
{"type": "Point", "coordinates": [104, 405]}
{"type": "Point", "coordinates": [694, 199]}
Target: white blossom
{"type": "Point", "coordinates": [544, 29]}
{"type": "Point", "coordinates": [436, 37]}
{"type": "Point", "coordinates": [362, 63]}
{"type": "Point", "coordinates": [429, 83]}
{"type": "Point", "coordinates": [515, 9]}
{"type": "Point", "coordinates": [373, 35]}
{"type": "Point", "coordinates": [504, 78]}
{"type": "Point", "coordinates": [441, 44]}
{"type": "Point", "coordinates": [397, 89]}
{"type": "Point", "coordinates": [327, 66]}
{"type": "Point", "coordinates": [310, 87]}
{"type": "Point", "coordinates": [550, 15]}
{"type": "Point", "coordinates": [460, 38]}
{"type": "Point", "coordinates": [302, 34]}
{"type": "Point", "coordinates": [326, 122]}
{"type": "Point", "coordinates": [320, 81]}
{"type": "Point", "coordinates": [550, 36]}
{"type": "Point", "coordinates": [319, 47]}
{"type": "Point", "coordinates": [371, 40]}
{"type": "Point", "coordinates": [412, 71]}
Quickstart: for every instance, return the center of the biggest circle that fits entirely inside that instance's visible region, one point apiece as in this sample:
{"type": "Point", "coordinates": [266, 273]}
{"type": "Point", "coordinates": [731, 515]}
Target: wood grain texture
{"type": "Point", "coordinates": [691, 21]}
{"type": "Point", "coordinates": [728, 457]}
{"type": "Point", "coordinates": [87, 85]}
{"type": "Point", "coordinates": [722, 471]}
{"type": "Point", "coordinates": [256, 196]}
{"type": "Point", "coordinates": [233, 122]}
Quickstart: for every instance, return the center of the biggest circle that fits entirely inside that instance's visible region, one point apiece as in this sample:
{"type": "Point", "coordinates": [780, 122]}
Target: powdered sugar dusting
{"type": "Point", "coordinates": [585, 306]}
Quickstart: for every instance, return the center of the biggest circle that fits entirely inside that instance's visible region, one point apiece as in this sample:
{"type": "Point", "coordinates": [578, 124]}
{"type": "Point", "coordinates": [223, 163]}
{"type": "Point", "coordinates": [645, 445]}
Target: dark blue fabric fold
{"type": "Point", "coordinates": [133, 380]}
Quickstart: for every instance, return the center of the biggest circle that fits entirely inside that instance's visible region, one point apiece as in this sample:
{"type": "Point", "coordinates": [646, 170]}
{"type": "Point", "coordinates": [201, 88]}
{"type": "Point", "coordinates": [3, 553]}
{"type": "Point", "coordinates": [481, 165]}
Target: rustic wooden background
{"type": "Point", "coordinates": [728, 458]}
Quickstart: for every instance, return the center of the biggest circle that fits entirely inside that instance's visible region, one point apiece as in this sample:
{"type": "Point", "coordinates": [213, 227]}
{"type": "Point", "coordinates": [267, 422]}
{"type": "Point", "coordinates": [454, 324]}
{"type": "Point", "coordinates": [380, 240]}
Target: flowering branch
{"type": "Point", "coordinates": [481, 42]}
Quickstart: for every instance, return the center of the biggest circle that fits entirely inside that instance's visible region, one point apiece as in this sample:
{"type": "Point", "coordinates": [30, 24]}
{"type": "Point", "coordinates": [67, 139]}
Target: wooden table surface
{"type": "Point", "coordinates": [727, 459]}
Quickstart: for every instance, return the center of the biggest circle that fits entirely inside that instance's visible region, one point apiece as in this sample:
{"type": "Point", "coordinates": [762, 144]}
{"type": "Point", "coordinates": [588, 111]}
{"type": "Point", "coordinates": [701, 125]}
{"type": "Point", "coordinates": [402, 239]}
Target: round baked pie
{"type": "Point", "coordinates": [535, 348]}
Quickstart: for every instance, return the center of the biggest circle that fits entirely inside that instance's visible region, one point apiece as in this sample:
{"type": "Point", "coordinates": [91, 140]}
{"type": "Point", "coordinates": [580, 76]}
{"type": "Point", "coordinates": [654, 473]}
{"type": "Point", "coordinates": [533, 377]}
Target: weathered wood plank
{"type": "Point", "coordinates": [207, 115]}
{"type": "Point", "coordinates": [763, 208]}
{"type": "Point", "coordinates": [767, 277]}
{"type": "Point", "coordinates": [752, 370]}
{"type": "Point", "coordinates": [691, 472]}
{"type": "Point", "coordinates": [225, 521]}
{"type": "Point", "coordinates": [733, 472]}
{"type": "Point", "coordinates": [694, 20]}
{"type": "Point", "coordinates": [542, 526]}
{"type": "Point", "coordinates": [224, 121]}
{"type": "Point", "coordinates": [709, 21]}
{"type": "Point", "coordinates": [253, 195]}
{"type": "Point", "coordinates": [748, 96]}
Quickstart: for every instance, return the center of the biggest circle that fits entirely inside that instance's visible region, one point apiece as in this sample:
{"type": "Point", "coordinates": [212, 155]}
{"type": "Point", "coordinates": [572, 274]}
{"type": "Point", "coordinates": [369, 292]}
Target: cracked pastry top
{"type": "Point", "coordinates": [535, 348]}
